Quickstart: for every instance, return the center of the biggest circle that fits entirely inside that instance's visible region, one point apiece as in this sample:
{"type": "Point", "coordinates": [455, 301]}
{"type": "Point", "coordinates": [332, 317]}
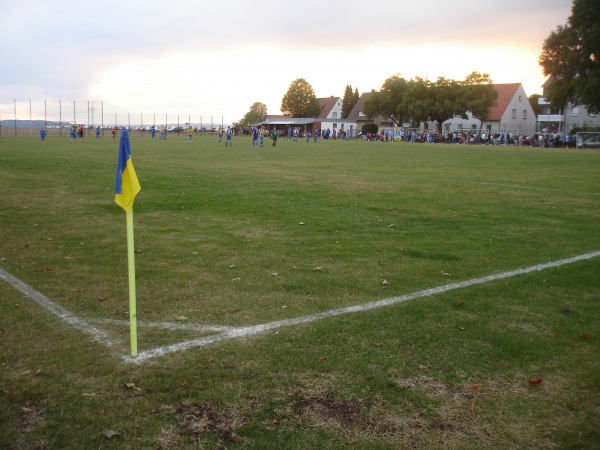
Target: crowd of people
{"type": "Point", "coordinates": [541, 139]}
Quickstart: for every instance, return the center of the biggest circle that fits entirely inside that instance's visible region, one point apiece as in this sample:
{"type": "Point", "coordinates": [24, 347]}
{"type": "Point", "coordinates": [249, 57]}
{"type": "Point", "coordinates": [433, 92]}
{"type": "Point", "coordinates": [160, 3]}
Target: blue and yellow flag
{"type": "Point", "coordinates": [127, 185]}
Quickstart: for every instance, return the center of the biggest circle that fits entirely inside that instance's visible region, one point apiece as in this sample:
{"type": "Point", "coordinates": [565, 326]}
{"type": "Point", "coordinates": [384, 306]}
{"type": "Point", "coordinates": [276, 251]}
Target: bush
{"type": "Point", "coordinates": [370, 128]}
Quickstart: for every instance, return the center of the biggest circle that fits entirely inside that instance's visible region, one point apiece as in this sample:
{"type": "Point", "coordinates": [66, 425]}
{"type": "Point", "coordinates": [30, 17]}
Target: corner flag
{"type": "Point", "coordinates": [127, 185]}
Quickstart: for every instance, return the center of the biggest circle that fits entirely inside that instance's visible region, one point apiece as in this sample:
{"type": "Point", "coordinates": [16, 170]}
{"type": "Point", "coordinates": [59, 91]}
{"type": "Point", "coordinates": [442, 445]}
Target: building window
{"type": "Point", "coordinates": [575, 112]}
{"type": "Point", "coordinates": [334, 115]}
{"type": "Point", "coordinates": [519, 98]}
{"type": "Point", "coordinates": [524, 114]}
{"type": "Point", "coordinates": [425, 126]}
{"type": "Point", "coordinates": [361, 114]}
{"type": "Point", "coordinates": [447, 127]}
{"type": "Point", "coordinates": [489, 127]}
{"type": "Point", "coordinates": [334, 126]}
{"type": "Point", "coordinates": [474, 126]}
{"type": "Point", "coordinates": [514, 114]}
{"type": "Point", "coordinates": [460, 126]}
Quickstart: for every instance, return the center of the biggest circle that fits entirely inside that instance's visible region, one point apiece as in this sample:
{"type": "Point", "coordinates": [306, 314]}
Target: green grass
{"type": "Point", "coordinates": [333, 221]}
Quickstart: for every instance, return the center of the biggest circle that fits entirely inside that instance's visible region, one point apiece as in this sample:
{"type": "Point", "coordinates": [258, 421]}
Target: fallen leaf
{"type": "Point", "coordinates": [446, 274]}
{"type": "Point", "coordinates": [301, 223]}
{"type": "Point", "coordinates": [386, 282]}
{"type": "Point", "coordinates": [27, 410]}
{"type": "Point", "coordinates": [473, 386]}
{"type": "Point", "coordinates": [110, 433]}
{"type": "Point", "coordinates": [236, 279]}
{"type": "Point", "coordinates": [49, 239]}
{"type": "Point", "coordinates": [85, 394]}
{"type": "Point", "coordinates": [180, 318]}
{"type": "Point", "coordinates": [274, 274]}
{"type": "Point", "coordinates": [535, 381]}
{"type": "Point", "coordinates": [566, 309]}
{"type": "Point", "coordinates": [232, 266]}
{"type": "Point", "coordinates": [317, 269]}
{"type": "Point", "coordinates": [45, 269]}
{"type": "Point", "coordinates": [585, 335]}
{"type": "Point", "coordinates": [132, 386]}
{"type": "Point", "coordinates": [100, 299]}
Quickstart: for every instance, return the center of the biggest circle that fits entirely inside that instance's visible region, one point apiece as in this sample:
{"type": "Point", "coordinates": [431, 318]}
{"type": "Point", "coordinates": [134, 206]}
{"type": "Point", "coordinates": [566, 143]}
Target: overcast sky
{"type": "Point", "coordinates": [193, 57]}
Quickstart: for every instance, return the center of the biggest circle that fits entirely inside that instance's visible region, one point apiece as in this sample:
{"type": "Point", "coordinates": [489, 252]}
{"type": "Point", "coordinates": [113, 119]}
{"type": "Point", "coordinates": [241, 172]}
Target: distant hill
{"type": "Point", "coordinates": [7, 123]}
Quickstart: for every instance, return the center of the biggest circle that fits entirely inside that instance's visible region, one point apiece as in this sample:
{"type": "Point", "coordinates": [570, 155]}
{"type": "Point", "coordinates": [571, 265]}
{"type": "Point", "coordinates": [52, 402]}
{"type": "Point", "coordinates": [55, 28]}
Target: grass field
{"type": "Point", "coordinates": [234, 237]}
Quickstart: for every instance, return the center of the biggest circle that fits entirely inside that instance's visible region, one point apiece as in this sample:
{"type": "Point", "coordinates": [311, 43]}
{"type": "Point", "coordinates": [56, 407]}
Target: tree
{"type": "Point", "coordinates": [479, 94]}
{"type": "Point", "coordinates": [257, 113]}
{"type": "Point", "coordinates": [389, 101]}
{"type": "Point", "coordinates": [300, 100]}
{"type": "Point", "coordinates": [533, 101]}
{"type": "Point", "coordinates": [571, 58]}
{"type": "Point", "coordinates": [349, 101]}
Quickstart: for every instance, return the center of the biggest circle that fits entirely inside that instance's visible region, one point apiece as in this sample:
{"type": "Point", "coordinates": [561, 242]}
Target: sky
{"type": "Point", "coordinates": [211, 59]}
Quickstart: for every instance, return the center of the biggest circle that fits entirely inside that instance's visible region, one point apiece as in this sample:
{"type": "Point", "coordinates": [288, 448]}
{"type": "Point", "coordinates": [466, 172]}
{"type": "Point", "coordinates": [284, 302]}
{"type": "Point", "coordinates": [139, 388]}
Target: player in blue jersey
{"type": "Point", "coordinates": [228, 137]}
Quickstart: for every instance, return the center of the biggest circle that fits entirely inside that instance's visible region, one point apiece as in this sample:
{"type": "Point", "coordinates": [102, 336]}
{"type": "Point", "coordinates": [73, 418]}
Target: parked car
{"type": "Point", "coordinates": [592, 142]}
{"type": "Point", "coordinates": [176, 130]}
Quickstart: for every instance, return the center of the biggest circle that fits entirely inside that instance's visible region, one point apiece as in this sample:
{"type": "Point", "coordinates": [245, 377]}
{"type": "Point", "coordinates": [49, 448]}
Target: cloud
{"type": "Point", "coordinates": [214, 58]}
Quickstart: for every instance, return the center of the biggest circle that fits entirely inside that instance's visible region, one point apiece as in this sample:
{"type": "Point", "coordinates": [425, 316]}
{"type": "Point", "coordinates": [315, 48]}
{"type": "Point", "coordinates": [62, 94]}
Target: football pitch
{"type": "Point", "coordinates": [344, 293]}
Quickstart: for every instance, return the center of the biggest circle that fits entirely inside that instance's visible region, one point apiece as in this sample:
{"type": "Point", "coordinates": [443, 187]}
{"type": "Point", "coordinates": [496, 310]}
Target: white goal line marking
{"type": "Point", "coordinates": [102, 336]}
{"type": "Point", "coordinates": [257, 329]}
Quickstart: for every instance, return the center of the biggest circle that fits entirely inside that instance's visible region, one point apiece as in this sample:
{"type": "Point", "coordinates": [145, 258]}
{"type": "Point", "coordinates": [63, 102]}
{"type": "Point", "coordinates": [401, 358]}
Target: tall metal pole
{"type": "Point", "coordinates": [60, 117]}
{"type": "Point", "coordinates": [15, 117]}
{"type": "Point", "coordinates": [30, 122]}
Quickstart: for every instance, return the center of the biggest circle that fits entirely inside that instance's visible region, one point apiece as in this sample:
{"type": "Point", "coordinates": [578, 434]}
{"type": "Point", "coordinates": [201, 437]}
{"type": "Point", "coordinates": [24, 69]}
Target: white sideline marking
{"type": "Point", "coordinates": [256, 329]}
{"type": "Point", "coordinates": [166, 325]}
{"type": "Point", "coordinates": [62, 313]}
{"type": "Point", "coordinates": [231, 332]}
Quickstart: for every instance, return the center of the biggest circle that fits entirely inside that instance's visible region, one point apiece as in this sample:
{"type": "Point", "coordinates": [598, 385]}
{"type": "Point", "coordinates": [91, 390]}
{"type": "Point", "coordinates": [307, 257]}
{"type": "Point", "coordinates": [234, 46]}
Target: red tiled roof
{"type": "Point", "coordinates": [506, 92]}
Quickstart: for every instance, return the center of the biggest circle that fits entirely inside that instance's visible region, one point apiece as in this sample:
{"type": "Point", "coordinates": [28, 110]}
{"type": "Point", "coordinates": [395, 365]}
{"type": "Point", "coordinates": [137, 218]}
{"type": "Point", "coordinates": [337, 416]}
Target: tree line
{"type": "Point", "coordinates": [400, 100]}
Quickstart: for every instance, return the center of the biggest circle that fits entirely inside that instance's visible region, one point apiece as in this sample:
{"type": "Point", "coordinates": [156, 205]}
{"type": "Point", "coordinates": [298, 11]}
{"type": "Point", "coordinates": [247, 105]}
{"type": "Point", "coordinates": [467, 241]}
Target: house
{"type": "Point", "coordinates": [359, 116]}
{"type": "Point", "coordinates": [511, 112]}
{"type": "Point", "coordinates": [330, 118]}
{"type": "Point", "coordinates": [564, 119]}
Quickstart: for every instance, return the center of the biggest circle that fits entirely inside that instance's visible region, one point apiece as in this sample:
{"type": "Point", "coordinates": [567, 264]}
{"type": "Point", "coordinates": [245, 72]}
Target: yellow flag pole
{"type": "Point", "coordinates": [131, 269]}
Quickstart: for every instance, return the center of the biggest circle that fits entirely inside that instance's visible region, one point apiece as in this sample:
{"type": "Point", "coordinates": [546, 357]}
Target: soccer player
{"type": "Point", "coordinates": [274, 136]}
{"type": "Point", "coordinates": [228, 137]}
{"type": "Point", "coordinates": [254, 137]}
{"type": "Point", "coordinates": [43, 135]}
